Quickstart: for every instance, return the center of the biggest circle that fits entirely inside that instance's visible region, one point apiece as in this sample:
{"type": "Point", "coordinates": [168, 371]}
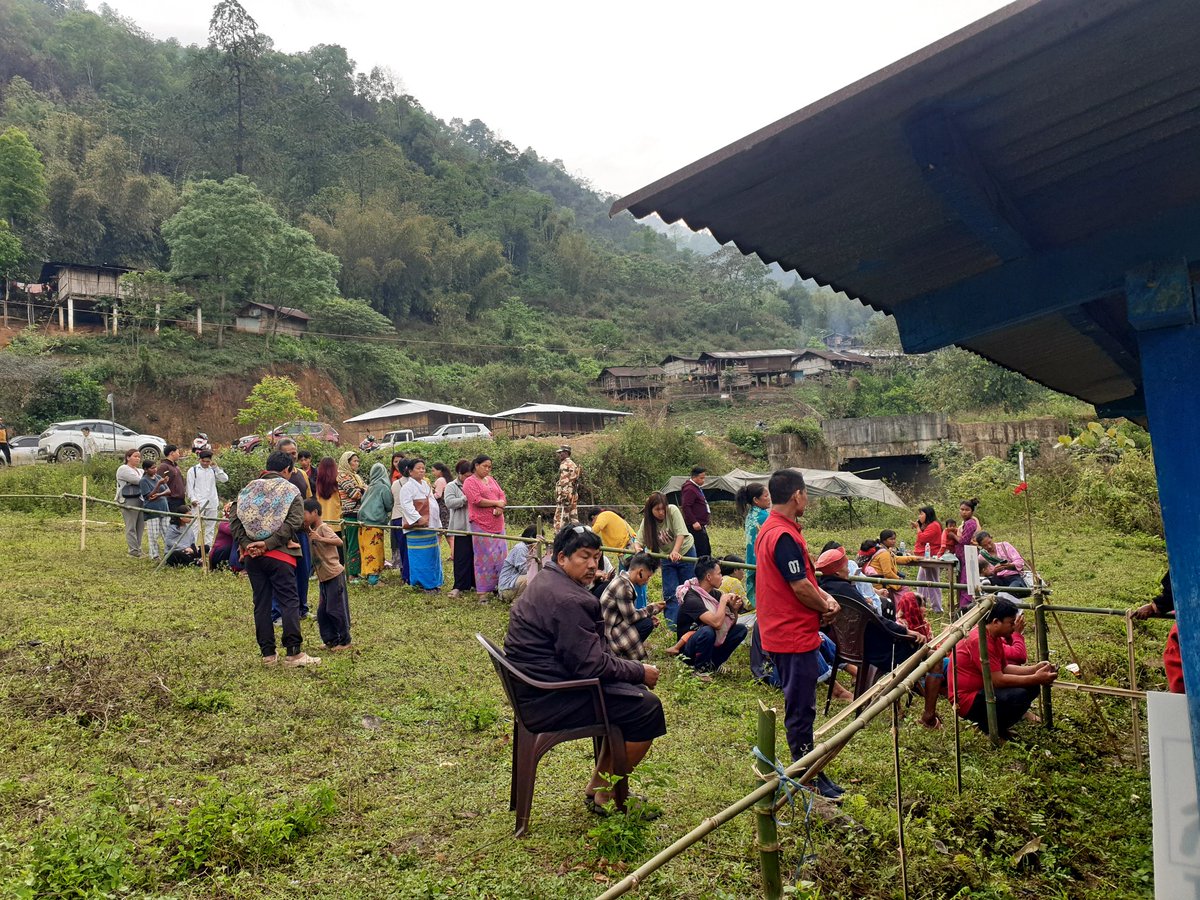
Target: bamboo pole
{"type": "Point", "coordinates": [1043, 650]}
{"type": "Point", "coordinates": [957, 726]}
{"type": "Point", "coordinates": [767, 829]}
{"type": "Point", "coordinates": [83, 517]}
{"type": "Point", "coordinates": [1133, 707]}
{"type": "Point", "coordinates": [819, 751]}
{"type": "Point", "coordinates": [989, 692]}
{"type": "Point", "coordinates": [899, 798]}
{"type": "Point", "coordinates": [1103, 689]}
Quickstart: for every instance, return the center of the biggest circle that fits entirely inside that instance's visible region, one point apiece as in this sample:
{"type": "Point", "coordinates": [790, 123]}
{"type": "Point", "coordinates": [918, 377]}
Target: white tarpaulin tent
{"type": "Point", "coordinates": [820, 483]}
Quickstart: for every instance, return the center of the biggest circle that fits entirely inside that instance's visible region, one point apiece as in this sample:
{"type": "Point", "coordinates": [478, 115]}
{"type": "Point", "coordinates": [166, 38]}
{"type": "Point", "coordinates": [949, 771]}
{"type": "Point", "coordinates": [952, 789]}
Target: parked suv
{"type": "Point", "coordinates": [322, 431]}
{"type": "Point", "coordinates": [458, 431]}
{"type": "Point", "coordinates": [24, 450]}
{"type": "Point", "coordinates": [392, 438]}
{"type": "Point", "coordinates": [63, 441]}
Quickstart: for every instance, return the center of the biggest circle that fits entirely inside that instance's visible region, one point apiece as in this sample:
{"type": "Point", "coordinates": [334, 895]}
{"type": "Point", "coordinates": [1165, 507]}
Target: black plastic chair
{"type": "Point", "coordinates": [530, 746]}
{"type": "Point", "coordinates": [849, 633]}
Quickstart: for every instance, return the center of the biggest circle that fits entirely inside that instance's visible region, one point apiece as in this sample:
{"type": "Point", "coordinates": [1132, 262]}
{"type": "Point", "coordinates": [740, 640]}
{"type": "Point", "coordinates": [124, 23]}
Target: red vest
{"type": "Point", "coordinates": [785, 625]}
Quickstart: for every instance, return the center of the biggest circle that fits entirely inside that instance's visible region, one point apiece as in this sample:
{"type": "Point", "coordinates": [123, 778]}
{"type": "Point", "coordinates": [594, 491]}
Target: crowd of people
{"type": "Point", "coordinates": [581, 610]}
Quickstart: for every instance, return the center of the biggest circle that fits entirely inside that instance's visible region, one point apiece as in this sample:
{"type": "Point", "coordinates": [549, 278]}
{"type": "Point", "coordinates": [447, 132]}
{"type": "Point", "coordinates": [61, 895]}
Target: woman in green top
{"type": "Point", "coordinates": [753, 505]}
{"type": "Point", "coordinates": [664, 531]}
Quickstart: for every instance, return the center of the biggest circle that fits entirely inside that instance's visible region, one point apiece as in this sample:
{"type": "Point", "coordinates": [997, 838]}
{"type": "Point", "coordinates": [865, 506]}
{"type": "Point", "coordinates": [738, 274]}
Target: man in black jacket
{"type": "Point", "coordinates": [556, 633]}
{"type": "Point", "coordinates": [887, 643]}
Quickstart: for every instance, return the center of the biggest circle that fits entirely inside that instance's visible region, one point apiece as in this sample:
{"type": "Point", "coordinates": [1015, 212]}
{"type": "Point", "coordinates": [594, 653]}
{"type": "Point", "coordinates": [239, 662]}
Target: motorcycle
{"type": "Point", "coordinates": [201, 442]}
{"type": "Point", "coordinates": [368, 444]}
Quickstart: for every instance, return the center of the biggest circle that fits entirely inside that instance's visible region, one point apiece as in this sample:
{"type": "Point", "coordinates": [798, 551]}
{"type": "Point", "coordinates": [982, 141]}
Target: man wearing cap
{"type": "Point", "coordinates": [886, 643]}
{"type": "Point", "coordinates": [791, 608]}
{"type": "Point", "coordinates": [202, 480]}
{"type": "Point", "coordinates": [566, 492]}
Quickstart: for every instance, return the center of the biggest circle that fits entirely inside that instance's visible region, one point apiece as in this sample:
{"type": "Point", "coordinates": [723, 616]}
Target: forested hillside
{"type": "Point", "coordinates": [300, 180]}
{"type": "Point", "coordinates": [435, 258]}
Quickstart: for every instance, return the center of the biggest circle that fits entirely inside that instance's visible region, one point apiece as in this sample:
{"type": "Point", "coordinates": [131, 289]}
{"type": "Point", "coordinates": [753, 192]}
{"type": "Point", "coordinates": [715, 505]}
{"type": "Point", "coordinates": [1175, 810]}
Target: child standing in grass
{"type": "Point", "coordinates": [333, 612]}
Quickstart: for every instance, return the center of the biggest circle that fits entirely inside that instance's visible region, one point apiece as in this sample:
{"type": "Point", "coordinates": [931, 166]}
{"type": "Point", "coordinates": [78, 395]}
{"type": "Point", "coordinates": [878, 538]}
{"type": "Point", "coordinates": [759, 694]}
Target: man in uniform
{"type": "Point", "coordinates": [566, 491]}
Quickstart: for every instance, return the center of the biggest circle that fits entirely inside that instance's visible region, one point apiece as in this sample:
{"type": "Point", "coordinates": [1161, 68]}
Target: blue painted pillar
{"type": "Point", "coordinates": [1162, 311]}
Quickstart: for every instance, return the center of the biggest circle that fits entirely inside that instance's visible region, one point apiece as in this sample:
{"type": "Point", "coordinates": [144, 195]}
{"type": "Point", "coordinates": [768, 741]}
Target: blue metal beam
{"type": "Point", "coordinates": [1162, 309]}
{"type": "Point", "coordinates": [1025, 289]}
{"type": "Point", "coordinates": [953, 171]}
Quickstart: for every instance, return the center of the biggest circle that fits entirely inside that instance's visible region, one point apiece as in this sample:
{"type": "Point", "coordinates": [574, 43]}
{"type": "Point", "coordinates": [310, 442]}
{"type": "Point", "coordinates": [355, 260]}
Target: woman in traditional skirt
{"type": "Point", "coordinates": [485, 509]}
{"type": "Point", "coordinates": [929, 537]}
{"type": "Point", "coordinates": [351, 488]}
{"type": "Point", "coordinates": [461, 552]}
{"type": "Point", "coordinates": [373, 514]}
{"type": "Point", "coordinates": [421, 516]}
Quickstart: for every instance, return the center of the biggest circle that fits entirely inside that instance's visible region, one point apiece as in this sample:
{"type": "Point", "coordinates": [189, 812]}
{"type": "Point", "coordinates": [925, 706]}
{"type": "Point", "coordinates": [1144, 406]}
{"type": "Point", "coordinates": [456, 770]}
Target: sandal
{"type": "Point", "coordinates": [937, 725]}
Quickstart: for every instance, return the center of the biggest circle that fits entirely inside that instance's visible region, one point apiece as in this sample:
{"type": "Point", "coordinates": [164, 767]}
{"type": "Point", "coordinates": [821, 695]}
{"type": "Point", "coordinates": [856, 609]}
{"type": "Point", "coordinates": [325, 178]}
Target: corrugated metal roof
{"type": "Point", "coordinates": [952, 187]}
{"type": "Point", "coordinates": [401, 406]}
{"type": "Point", "coordinates": [745, 354]}
{"type": "Point", "coordinates": [289, 311]}
{"type": "Point", "coordinates": [633, 371]}
{"type": "Point", "coordinates": [533, 408]}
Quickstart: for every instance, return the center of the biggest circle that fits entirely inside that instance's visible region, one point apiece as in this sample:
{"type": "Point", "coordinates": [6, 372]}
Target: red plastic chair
{"type": "Point", "coordinates": [530, 746]}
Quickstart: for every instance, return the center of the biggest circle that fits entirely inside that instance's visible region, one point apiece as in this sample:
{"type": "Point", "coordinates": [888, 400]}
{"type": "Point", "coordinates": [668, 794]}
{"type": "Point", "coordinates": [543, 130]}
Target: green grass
{"type": "Point", "coordinates": [146, 750]}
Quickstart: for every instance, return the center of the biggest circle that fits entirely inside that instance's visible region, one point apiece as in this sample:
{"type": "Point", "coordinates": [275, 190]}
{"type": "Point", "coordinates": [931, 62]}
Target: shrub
{"type": "Point", "coordinates": [641, 458]}
{"type": "Point", "coordinates": [808, 430]}
{"type": "Point", "coordinates": [1125, 494]}
{"type": "Point", "coordinates": [90, 859]}
{"type": "Point", "coordinates": [748, 440]}
{"type": "Point", "coordinates": [70, 394]}
{"type": "Point", "coordinates": [55, 479]}
{"type": "Point", "coordinates": [234, 831]}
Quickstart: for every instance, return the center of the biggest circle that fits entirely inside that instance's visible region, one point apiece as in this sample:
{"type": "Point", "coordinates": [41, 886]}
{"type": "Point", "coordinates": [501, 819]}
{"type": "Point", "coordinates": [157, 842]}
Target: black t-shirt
{"type": "Point", "coordinates": [790, 559]}
{"type": "Point", "coordinates": [690, 611]}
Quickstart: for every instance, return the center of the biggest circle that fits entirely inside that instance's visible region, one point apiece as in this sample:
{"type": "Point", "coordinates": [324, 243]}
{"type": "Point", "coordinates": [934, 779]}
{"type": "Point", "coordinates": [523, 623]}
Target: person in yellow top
{"type": "Point", "coordinates": [4, 442]}
{"type": "Point", "coordinates": [733, 580]}
{"type": "Point", "coordinates": [884, 560]}
{"type": "Point", "coordinates": [613, 530]}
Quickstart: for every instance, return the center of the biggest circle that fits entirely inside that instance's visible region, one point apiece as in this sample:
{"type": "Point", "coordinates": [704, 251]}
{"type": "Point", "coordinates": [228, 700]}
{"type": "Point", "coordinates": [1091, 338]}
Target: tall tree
{"type": "Point", "coordinates": [22, 177]}
{"type": "Point", "coordinates": [234, 34]}
{"type": "Point", "coordinates": [220, 240]}
{"type": "Point", "coordinates": [298, 273]}
{"type": "Point", "coordinates": [273, 400]}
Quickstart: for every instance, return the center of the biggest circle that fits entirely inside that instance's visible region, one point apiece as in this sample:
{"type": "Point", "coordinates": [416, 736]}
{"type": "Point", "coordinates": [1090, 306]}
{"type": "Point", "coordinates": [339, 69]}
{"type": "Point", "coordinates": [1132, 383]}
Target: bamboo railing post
{"type": "Point", "coordinates": [899, 797]}
{"type": "Point", "coordinates": [83, 517]}
{"type": "Point", "coordinates": [1133, 704]}
{"type": "Point", "coordinates": [957, 723]}
{"type": "Point", "coordinates": [1042, 638]}
{"type": "Point", "coordinates": [768, 834]}
{"type": "Point", "coordinates": [989, 692]}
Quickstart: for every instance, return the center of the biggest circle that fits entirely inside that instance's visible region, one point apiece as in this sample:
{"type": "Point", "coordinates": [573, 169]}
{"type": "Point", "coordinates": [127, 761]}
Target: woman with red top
{"type": "Point", "coordinates": [485, 510]}
{"type": "Point", "coordinates": [966, 535]}
{"type": "Point", "coordinates": [928, 543]}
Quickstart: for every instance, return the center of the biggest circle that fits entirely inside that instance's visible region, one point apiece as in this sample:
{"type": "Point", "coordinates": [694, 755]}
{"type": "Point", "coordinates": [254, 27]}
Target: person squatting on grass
{"type": "Point", "coordinates": [626, 626]}
{"type": "Point", "coordinates": [1016, 687]}
{"type": "Point", "coordinates": [264, 520]}
{"type": "Point", "coordinates": [333, 610]}
{"type": "Point", "coordinates": [556, 633]}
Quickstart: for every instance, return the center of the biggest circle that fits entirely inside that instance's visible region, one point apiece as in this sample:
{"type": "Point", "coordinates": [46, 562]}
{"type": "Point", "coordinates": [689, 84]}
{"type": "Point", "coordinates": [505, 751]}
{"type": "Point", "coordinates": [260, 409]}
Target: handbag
{"type": "Point", "coordinates": [422, 506]}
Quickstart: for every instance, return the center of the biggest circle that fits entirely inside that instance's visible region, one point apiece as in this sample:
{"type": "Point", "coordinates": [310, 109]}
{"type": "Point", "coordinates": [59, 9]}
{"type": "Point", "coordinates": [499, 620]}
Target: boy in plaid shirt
{"type": "Point", "coordinates": [625, 626]}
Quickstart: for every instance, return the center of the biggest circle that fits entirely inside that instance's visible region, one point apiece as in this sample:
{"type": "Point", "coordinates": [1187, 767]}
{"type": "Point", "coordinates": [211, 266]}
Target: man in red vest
{"type": "Point", "coordinates": [791, 608]}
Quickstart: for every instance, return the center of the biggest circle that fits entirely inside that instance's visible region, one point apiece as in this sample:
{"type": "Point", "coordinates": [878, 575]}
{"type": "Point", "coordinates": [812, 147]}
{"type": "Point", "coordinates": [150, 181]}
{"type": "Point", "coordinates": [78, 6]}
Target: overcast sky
{"type": "Point", "coordinates": [623, 92]}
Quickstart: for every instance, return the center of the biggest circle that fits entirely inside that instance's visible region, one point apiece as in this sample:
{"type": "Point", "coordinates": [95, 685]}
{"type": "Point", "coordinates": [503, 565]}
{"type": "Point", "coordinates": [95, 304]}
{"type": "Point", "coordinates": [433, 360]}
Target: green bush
{"type": "Point", "coordinates": [227, 831]}
{"type": "Point", "coordinates": [1125, 494]}
{"type": "Point", "coordinates": [70, 394]}
{"type": "Point", "coordinates": [90, 859]}
{"type": "Point", "coordinates": [808, 430]}
{"type": "Point", "coordinates": [56, 479]}
{"type": "Point", "coordinates": [748, 440]}
{"type": "Point", "coordinates": [641, 458]}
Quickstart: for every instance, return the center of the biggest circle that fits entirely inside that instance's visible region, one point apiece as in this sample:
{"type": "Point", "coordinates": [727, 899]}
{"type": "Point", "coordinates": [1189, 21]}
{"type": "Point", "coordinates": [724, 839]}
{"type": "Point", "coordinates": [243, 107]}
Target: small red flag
{"type": "Point", "coordinates": [1021, 488]}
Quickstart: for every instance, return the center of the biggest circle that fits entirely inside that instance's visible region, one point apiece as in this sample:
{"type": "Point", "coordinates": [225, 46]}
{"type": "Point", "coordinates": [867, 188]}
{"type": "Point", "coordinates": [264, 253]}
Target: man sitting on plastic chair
{"type": "Point", "coordinates": [887, 643]}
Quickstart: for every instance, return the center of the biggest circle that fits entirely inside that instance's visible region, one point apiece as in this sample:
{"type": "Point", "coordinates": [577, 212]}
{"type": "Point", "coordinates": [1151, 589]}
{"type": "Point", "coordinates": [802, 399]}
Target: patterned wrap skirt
{"type": "Point", "coordinates": [489, 559]}
{"type": "Point", "coordinates": [371, 547]}
{"type": "Point", "coordinates": [424, 559]}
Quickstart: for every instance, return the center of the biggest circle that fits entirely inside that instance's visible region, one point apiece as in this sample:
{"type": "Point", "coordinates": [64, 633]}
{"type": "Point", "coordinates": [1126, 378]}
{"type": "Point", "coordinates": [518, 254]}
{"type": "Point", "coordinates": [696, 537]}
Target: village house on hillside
{"type": "Point", "coordinates": [811, 363]}
{"type": "Point", "coordinates": [259, 318]}
{"type": "Point", "coordinates": [80, 293]}
{"type": "Point", "coordinates": [632, 382]}
{"type": "Point", "coordinates": [677, 367]}
{"type": "Point", "coordinates": [746, 368]}
{"type": "Point", "coordinates": [552, 418]}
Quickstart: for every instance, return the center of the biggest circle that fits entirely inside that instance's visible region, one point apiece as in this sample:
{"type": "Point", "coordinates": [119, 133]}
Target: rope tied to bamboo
{"type": "Point", "coordinates": [786, 785]}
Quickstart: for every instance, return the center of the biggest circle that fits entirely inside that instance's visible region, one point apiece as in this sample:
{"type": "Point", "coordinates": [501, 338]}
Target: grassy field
{"type": "Point", "coordinates": [146, 752]}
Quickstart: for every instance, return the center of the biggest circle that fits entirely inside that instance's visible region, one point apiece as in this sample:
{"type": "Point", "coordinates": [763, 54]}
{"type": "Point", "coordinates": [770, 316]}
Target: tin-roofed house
{"type": "Point", "coordinates": [632, 382]}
